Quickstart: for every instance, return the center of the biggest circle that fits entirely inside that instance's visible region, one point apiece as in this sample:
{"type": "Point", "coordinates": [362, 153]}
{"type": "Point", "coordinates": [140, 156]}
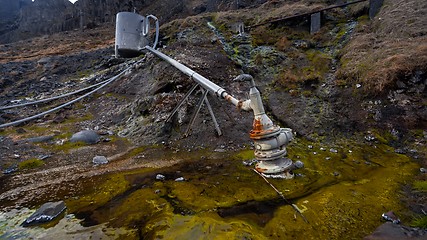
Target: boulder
{"type": "Point", "coordinates": [86, 136]}
{"type": "Point", "coordinates": [46, 213]}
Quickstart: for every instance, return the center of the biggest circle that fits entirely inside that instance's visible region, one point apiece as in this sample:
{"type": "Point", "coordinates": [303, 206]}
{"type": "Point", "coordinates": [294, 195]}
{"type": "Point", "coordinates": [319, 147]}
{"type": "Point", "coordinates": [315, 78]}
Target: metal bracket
{"type": "Point", "coordinates": [203, 99]}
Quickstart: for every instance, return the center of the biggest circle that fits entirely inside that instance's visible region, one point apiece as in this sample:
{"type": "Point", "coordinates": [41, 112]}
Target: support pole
{"type": "Point", "coordinates": [193, 119]}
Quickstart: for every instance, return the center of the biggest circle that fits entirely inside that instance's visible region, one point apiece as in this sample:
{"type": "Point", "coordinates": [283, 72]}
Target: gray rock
{"type": "Point", "coordinates": [332, 150]}
{"type": "Point", "coordinates": [180, 179]}
{"type": "Point", "coordinates": [160, 177]}
{"type": "Point", "coordinates": [98, 160]}
{"type": "Point", "coordinates": [391, 231]}
{"type": "Point", "coordinates": [423, 170]}
{"type": "Point", "coordinates": [299, 164]}
{"type": "Point", "coordinates": [46, 213]}
{"type": "Point", "coordinates": [86, 136]}
{"type": "Point", "coordinates": [40, 139]}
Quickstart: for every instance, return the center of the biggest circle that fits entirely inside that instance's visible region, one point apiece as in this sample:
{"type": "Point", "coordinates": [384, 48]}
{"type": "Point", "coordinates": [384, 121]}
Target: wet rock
{"type": "Point", "coordinates": [180, 179]}
{"type": "Point", "coordinates": [40, 139]}
{"type": "Point", "coordinates": [400, 151]}
{"type": "Point", "coordinates": [160, 177]}
{"type": "Point", "coordinates": [299, 164]}
{"type": "Point", "coordinates": [392, 231]}
{"type": "Point", "coordinates": [391, 217]}
{"type": "Point", "coordinates": [370, 138]}
{"type": "Point", "coordinates": [249, 162]}
{"type": "Point", "coordinates": [98, 160]}
{"type": "Point", "coordinates": [46, 213]}
{"type": "Point", "coordinates": [86, 136]}
{"type": "Point", "coordinates": [11, 169]}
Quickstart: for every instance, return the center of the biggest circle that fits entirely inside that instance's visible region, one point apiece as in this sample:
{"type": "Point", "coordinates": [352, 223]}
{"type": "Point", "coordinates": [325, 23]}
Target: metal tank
{"type": "Point", "coordinates": [129, 34]}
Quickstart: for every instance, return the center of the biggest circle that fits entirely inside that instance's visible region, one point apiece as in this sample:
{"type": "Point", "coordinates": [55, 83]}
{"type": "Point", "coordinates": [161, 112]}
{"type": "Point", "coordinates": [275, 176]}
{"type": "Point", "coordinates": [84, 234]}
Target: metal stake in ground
{"type": "Point", "coordinates": [281, 195]}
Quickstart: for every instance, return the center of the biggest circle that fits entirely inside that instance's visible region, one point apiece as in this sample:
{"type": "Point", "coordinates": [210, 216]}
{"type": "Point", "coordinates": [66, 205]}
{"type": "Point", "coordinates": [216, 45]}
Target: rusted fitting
{"type": "Point", "coordinates": [270, 141]}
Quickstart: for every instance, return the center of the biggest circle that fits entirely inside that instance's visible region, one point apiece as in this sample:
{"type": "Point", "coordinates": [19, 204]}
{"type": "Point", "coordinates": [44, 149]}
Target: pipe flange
{"type": "Point", "coordinates": [269, 133]}
{"type": "Point", "coordinates": [278, 166]}
{"type": "Point", "coordinates": [270, 155]}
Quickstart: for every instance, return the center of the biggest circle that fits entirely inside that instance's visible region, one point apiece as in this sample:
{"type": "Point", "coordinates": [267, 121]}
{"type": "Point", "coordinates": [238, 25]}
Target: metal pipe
{"type": "Point", "coordinates": [202, 81]}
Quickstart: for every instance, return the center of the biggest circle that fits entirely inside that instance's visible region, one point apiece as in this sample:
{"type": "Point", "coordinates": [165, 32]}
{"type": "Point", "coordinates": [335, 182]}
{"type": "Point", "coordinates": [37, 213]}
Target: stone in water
{"type": "Point", "coordinates": [46, 213]}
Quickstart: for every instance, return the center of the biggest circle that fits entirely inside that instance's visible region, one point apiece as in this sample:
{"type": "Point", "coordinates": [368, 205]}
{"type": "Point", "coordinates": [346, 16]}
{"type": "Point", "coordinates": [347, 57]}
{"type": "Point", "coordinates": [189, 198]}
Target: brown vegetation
{"type": "Point", "coordinates": [391, 47]}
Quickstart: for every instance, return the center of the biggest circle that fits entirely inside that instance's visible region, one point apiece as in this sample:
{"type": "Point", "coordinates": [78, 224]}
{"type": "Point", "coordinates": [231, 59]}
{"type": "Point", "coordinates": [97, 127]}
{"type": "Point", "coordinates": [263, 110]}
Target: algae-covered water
{"type": "Point", "coordinates": [342, 192]}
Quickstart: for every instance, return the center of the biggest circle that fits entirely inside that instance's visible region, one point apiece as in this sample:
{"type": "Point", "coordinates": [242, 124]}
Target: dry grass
{"type": "Point", "coordinates": [58, 44]}
{"type": "Point", "coordinates": [391, 47]}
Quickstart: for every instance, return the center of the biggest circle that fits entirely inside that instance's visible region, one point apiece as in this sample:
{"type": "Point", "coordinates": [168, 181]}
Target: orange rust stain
{"type": "Point", "coordinates": [257, 125]}
{"type": "Point", "coordinates": [240, 105]}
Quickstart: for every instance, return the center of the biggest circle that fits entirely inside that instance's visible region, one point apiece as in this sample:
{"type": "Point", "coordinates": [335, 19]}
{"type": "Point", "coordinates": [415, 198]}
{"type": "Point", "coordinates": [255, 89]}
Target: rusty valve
{"type": "Point", "coordinates": [270, 140]}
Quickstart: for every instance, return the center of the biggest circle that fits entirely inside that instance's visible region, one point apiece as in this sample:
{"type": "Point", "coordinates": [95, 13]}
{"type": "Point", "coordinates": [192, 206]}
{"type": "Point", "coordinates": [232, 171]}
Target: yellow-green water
{"type": "Point", "coordinates": [341, 194]}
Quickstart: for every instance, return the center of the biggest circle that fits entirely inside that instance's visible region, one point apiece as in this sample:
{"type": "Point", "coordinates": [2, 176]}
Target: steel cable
{"type": "Point", "coordinates": [52, 98]}
{"type": "Point", "coordinates": [110, 80]}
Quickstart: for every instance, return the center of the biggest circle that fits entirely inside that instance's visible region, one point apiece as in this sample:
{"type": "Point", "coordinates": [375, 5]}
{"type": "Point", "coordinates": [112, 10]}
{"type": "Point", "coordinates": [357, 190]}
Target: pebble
{"type": "Point", "coordinates": [400, 151]}
{"type": "Point", "coordinates": [423, 170]}
{"type": "Point", "coordinates": [336, 174]}
{"type": "Point", "coordinates": [98, 160]}
{"type": "Point", "coordinates": [249, 162]}
{"type": "Point", "coordinates": [322, 149]}
{"type": "Point", "coordinates": [369, 138]}
{"type": "Point", "coordinates": [299, 164]}
{"type": "Point", "coordinates": [180, 179]}
{"type": "Point", "coordinates": [160, 177]}
{"type": "Point", "coordinates": [332, 150]}
{"type": "Point", "coordinates": [358, 85]}
{"type": "Point", "coordinates": [327, 158]}
{"type": "Point", "coordinates": [310, 146]}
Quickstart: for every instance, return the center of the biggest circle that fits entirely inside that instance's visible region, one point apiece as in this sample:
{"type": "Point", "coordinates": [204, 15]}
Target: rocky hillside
{"type": "Point", "coordinates": [356, 80]}
{"type": "Point", "coordinates": [24, 19]}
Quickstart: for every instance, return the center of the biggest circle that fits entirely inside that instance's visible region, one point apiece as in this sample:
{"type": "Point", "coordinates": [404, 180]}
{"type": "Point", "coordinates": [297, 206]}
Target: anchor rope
{"type": "Point", "coordinates": [282, 196]}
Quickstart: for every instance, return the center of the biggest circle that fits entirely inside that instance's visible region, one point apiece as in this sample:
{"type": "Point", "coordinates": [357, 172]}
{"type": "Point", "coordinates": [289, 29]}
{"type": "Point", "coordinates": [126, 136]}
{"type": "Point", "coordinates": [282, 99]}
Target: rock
{"type": "Point", "coordinates": [180, 179]}
{"type": "Point", "coordinates": [400, 151]}
{"type": "Point", "coordinates": [40, 139]}
{"type": "Point", "coordinates": [11, 169]}
{"type": "Point", "coordinates": [390, 216]}
{"type": "Point", "coordinates": [46, 213]}
{"type": "Point", "coordinates": [332, 150]}
{"type": "Point", "coordinates": [86, 136]}
{"type": "Point", "coordinates": [299, 164]}
{"type": "Point", "coordinates": [390, 231]}
{"type": "Point", "coordinates": [98, 160]}
{"type": "Point", "coordinates": [370, 138]}
{"type": "Point", "coordinates": [423, 170]}
{"type": "Point", "coordinates": [160, 177]}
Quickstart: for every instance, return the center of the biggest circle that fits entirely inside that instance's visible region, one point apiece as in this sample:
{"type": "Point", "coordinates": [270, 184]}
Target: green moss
{"type": "Point", "coordinates": [30, 164]}
{"type": "Point", "coordinates": [244, 155]}
{"type": "Point", "coordinates": [420, 186]}
{"type": "Point", "coordinates": [98, 192]}
{"type": "Point", "coordinates": [65, 147]}
{"type": "Point", "coordinates": [420, 222]}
